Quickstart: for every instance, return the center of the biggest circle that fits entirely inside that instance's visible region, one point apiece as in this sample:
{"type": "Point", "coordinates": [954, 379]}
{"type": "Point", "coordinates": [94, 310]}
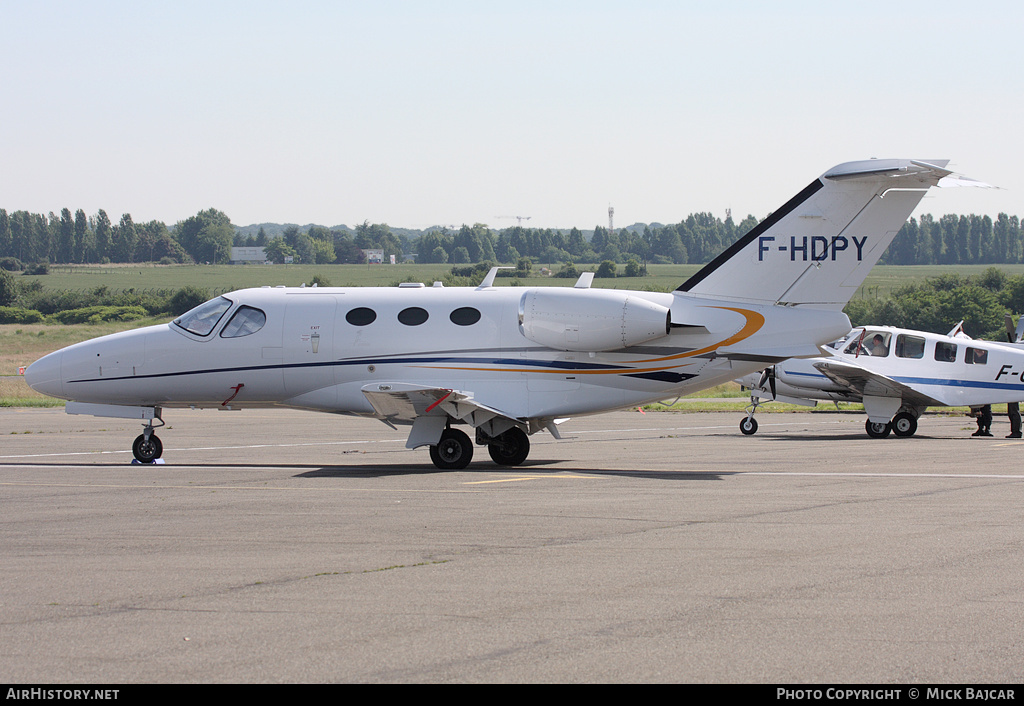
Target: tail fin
{"type": "Point", "coordinates": [817, 249]}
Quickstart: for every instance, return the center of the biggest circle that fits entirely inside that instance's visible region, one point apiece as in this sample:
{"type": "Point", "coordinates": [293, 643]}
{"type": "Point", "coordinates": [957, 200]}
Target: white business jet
{"type": "Point", "coordinates": [507, 362]}
{"type": "Point", "coordinates": [896, 373]}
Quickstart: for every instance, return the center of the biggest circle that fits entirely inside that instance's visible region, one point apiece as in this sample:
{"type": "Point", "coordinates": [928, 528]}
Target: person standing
{"type": "Point", "coordinates": [1013, 412]}
{"type": "Point", "coordinates": [984, 416]}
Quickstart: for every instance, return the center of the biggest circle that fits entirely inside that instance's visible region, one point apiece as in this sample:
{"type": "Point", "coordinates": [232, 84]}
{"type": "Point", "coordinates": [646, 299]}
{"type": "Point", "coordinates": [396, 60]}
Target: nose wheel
{"type": "Point", "coordinates": [147, 446]}
{"type": "Point", "coordinates": [748, 425]}
{"type": "Point", "coordinates": [147, 449]}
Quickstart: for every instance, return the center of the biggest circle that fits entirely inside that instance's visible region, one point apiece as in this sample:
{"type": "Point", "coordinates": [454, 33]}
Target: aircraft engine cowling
{"type": "Point", "coordinates": [590, 319]}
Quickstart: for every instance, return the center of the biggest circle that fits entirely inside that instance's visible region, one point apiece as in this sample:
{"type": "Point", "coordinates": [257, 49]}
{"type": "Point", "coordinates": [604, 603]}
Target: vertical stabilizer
{"type": "Point", "coordinates": [817, 249]}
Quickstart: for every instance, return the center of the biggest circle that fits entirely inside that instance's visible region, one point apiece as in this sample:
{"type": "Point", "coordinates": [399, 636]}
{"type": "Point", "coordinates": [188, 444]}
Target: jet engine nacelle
{"type": "Point", "coordinates": [590, 319]}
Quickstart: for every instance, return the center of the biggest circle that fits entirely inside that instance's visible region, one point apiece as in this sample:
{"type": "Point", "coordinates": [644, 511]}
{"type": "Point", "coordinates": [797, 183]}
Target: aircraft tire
{"type": "Point", "coordinates": [147, 450]}
{"type": "Point", "coordinates": [877, 430]}
{"type": "Point", "coordinates": [904, 424]}
{"type": "Point", "coordinates": [748, 425]}
{"type": "Point", "coordinates": [511, 449]}
{"type": "Point", "coordinates": [453, 452]}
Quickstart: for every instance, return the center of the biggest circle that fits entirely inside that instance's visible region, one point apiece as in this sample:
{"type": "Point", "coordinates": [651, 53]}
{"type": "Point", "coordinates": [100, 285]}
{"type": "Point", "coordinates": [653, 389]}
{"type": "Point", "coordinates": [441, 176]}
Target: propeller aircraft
{"type": "Point", "coordinates": [896, 374]}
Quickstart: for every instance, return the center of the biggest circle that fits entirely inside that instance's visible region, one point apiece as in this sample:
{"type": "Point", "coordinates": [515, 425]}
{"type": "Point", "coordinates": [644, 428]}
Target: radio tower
{"type": "Point", "coordinates": [611, 220]}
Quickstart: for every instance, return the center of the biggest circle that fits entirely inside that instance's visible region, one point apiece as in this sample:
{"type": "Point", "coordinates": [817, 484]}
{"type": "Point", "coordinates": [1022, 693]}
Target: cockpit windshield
{"type": "Point", "coordinates": [201, 320]}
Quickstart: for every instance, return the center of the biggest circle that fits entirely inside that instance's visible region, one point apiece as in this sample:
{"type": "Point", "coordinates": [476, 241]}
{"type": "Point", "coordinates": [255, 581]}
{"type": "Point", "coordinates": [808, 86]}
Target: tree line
{"type": "Point", "coordinates": [67, 238]}
{"type": "Point", "coordinates": [938, 303]}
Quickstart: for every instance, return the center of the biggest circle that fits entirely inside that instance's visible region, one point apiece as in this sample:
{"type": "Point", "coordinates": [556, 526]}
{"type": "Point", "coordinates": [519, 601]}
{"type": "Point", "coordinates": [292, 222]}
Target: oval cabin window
{"type": "Point", "coordinates": [465, 316]}
{"type": "Point", "coordinates": [413, 316]}
{"type": "Point", "coordinates": [361, 316]}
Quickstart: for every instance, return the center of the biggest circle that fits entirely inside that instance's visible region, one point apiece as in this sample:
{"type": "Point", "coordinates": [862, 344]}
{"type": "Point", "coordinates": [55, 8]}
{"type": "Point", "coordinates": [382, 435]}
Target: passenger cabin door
{"type": "Point", "coordinates": [308, 342]}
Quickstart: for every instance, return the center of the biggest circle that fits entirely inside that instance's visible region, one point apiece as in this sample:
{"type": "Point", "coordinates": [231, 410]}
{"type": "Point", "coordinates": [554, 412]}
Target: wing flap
{"type": "Point", "coordinates": [870, 384]}
{"type": "Point", "coordinates": [402, 403]}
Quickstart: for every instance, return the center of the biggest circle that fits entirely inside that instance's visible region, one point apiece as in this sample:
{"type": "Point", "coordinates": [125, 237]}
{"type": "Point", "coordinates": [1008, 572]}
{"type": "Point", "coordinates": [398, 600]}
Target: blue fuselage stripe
{"type": "Point", "coordinates": [511, 363]}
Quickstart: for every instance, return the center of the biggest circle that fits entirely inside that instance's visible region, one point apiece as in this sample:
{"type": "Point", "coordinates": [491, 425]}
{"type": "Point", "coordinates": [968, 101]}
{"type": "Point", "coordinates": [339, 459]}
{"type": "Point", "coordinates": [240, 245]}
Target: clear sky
{"type": "Point", "coordinates": [440, 112]}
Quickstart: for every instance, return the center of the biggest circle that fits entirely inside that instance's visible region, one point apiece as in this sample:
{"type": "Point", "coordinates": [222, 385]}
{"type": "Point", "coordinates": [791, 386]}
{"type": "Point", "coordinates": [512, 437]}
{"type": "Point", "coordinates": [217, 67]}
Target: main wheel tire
{"type": "Point", "coordinates": [877, 430]}
{"type": "Point", "coordinates": [510, 448]}
{"type": "Point", "coordinates": [748, 425]}
{"type": "Point", "coordinates": [147, 450]}
{"type": "Point", "coordinates": [904, 424]}
{"type": "Point", "coordinates": [453, 452]}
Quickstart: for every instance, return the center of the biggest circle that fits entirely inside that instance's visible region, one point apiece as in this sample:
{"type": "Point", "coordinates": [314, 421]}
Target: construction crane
{"type": "Point", "coordinates": [519, 219]}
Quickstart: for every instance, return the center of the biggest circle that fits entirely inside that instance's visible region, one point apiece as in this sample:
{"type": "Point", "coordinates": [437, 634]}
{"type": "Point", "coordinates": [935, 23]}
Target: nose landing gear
{"type": "Point", "coordinates": [147, 446]}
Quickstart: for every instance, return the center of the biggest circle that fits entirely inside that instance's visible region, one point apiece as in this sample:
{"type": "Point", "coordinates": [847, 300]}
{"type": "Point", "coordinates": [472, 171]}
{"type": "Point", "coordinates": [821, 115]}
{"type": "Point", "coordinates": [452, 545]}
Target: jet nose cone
{"type": "Point", "coordinates": [44, 375]}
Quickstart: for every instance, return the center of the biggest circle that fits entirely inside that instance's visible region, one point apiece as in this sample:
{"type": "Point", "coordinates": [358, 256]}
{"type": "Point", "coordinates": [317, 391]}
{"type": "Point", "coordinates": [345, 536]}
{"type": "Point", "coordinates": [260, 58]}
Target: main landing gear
{"type": "Point", "coordinates": [454, 450]}
{"type": "Point", "coordinates": [904, 424]}
{"type": "Point", "coordinates": [147, 446]}
{"type": "Point", "coordinates": [509, 448]}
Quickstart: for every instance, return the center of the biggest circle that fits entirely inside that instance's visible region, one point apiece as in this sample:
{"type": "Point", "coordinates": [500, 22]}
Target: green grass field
{"type": "Point", "coordinates": [222, 278]}
{"type": "Point", "coordinates": [229, 277]}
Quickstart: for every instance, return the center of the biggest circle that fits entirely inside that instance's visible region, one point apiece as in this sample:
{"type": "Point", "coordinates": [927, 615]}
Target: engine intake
{"type": "Point", "coordinates": [590, 319]}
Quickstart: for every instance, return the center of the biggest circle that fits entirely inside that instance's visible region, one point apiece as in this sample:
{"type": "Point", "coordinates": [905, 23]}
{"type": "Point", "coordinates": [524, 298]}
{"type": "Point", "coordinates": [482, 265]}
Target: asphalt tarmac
{"type": "Point", "coordinates": [281, 546]}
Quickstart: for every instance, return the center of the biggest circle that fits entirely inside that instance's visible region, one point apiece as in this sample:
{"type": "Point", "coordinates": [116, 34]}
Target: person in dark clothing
{"type": "Point", "coordinates": [984, 415]}
{"type": "Point", "coordinates": [1013, 412]}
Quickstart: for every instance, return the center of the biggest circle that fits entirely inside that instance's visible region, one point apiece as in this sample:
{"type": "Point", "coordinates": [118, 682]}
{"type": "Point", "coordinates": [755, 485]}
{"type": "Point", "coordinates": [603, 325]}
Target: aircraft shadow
{"type": "Point", "coordinates": [811, 436]}
{"type": "Point", "coordinates": [531, 468]}
{"type": "Point", "coordinates": [397, 469]}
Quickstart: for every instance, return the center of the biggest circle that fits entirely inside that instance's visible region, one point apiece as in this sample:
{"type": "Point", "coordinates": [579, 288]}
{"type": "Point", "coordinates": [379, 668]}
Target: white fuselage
{"type": "Point", "coordinates": [316, 349]}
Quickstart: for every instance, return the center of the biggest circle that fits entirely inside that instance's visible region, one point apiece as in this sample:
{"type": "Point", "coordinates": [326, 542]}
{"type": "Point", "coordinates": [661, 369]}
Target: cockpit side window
{"type": "Point", "coordinates": [246, 321]}
{"type": "Point", "coordinates": [873, 343]}
{"type": "Point", "coordinates": [202, 320]}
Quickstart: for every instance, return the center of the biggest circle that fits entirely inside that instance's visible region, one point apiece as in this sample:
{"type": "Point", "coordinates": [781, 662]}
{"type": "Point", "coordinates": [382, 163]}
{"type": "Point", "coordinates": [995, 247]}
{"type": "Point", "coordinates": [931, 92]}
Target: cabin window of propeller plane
{"type": "Point", "coordinates": [945, 352]}
{"type": "Point", "coordinates": [909, 346]}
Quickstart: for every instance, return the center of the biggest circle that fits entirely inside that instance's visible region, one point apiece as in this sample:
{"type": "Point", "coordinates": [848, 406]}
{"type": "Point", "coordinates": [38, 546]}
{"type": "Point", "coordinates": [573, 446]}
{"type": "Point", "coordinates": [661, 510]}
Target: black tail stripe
{"type": "Point", "coordinates": [754, 233]}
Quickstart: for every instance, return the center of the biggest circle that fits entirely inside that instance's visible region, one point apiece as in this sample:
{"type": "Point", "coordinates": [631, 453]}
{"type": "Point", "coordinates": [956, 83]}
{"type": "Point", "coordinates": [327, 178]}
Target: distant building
{"type": "Point", "coordinates": [374, 257]}
{"type": "Point", "coordinates": [240, 256]}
